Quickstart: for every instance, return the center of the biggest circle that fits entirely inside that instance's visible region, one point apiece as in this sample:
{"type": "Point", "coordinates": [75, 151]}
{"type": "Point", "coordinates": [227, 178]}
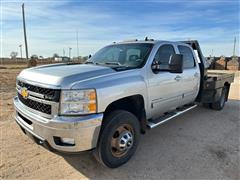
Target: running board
{"type": "Point", "coordinates": [156, 122]}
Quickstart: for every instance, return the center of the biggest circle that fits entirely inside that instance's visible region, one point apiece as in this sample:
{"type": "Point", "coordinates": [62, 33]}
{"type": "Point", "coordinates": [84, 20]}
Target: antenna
{"type": "Point", "coordinates": [147, 39]}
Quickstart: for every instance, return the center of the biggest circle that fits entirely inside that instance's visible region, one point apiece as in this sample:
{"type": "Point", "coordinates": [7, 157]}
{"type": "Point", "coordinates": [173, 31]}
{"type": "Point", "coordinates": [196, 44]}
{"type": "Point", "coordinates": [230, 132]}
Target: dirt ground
{"type": "Point", "coordinates": [201, 144]}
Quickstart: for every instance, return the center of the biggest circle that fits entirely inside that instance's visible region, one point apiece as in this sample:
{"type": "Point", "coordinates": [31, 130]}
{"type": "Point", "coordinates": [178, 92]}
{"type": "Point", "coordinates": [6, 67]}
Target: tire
{"type": "Point", "coordinates": [206, 105]}
{"type": "Point", "coordinates": [219, 105]}
{"type": "Point", "coordinates": [118, 125]}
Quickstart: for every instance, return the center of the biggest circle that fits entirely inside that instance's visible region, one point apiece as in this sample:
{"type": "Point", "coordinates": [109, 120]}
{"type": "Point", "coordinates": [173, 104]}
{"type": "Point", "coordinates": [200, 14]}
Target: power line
{"type": "Point", "coordinates": [70, 52]}
{"type": "Point", "coordinates": [77, 45]}
{"type": "Point", "coordinates": [63, 52]}
{"type": "Point", "coordinates": [234, 47]}
{"type": "Point", "coordinates": [20, 46]}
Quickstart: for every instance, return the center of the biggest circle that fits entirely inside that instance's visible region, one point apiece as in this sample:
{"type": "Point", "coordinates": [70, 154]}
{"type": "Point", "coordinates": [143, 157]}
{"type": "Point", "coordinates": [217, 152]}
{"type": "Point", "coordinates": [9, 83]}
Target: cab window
{"type": "Point", "coordinates": [188, 58]}
{"type": "Point", "coordinates": [163, 55]}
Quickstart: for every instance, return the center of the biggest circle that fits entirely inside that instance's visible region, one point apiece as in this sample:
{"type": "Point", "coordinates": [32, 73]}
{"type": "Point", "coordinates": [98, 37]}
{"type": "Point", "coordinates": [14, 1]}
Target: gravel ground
{"type": "Point", "coordinates": [200, 144]}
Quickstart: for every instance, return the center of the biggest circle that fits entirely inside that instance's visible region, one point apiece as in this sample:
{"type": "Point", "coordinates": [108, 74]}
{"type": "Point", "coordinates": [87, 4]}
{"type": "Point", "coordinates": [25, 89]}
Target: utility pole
{"type": "Point", "coordinates": [24, 29]}
{"type": "Point", "coordinates": [20, 46]}
{"type": "Point", "coordinates": [70, 52]}
{"type": "Point", "coordinates": [77, 46]}
{"type": "Point", "coordinates": [234, 48]}
{"type": "Point", "coordinates": [63, 52]}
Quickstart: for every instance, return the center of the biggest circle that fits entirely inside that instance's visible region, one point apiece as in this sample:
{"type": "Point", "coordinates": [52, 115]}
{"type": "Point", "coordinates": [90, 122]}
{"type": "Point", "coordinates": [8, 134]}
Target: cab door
{"type": "Point", "coordinates": [164, 88]}
{"type": "Point", "coordinates": [190, 78]}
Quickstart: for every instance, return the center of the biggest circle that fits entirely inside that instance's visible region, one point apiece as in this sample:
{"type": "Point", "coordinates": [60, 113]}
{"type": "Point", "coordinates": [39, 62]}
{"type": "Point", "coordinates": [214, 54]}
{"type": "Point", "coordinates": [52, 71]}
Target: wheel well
{"type": "Point", "coordinates": [227, 84]}
{"type": "Point", "coordinates": [133, 104]}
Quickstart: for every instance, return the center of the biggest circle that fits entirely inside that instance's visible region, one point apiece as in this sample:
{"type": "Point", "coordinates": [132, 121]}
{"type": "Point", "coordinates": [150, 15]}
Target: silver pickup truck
{"type": "Point", "coordinates": [121, 91]}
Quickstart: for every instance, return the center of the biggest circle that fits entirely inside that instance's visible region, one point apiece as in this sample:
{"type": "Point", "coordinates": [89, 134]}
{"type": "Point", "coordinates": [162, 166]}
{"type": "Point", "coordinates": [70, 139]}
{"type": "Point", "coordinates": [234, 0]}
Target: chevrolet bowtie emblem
{"type": "Point", "coordinates": [24, 93]}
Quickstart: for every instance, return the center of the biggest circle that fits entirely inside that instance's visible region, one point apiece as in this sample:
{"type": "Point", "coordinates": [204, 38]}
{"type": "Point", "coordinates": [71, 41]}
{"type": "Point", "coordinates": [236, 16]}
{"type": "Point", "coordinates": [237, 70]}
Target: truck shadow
{"type": "Point", "coordinates": [171, 150]}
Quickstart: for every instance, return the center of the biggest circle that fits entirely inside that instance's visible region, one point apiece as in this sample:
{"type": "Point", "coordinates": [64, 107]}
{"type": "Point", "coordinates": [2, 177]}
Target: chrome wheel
{"type": "Point", "coordinates": [122, 140]}
{"type": "Point", "coordinates": [119, 138]}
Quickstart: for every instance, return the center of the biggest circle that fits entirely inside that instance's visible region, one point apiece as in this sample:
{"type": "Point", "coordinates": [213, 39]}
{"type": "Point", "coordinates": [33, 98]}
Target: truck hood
{"type": "Point", "coordinates": [64, 75]}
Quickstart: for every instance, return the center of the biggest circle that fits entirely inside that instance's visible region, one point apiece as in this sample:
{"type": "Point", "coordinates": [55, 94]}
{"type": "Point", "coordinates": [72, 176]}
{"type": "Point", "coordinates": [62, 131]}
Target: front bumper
{"type": "Point", "coordinates": [84, 130]}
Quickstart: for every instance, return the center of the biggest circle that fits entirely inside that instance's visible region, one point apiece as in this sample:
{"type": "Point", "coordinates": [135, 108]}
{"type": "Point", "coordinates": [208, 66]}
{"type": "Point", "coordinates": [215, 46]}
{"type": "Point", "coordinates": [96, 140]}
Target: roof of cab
{"type": "Point", "coordinates": [140, 41]}
{"type": "Point", "coordinates": [151, 41]}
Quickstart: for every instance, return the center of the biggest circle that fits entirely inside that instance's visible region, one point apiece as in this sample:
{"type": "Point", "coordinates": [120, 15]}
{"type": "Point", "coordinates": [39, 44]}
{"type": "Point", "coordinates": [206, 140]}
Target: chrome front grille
{"type": "Point", "coordinates": [44, 108]}
{"type": "Point", "coordinates": [43, 101]}
{"type": "Point", "coordinates": [45, 93]}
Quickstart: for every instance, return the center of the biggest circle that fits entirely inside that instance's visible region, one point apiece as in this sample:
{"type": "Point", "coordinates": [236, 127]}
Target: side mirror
{"type": "Point", "coordinates": [176, 63]}
{"type": "Point", "coordinates": [89, 56]}
{"type": "Point", "coordinates": [155, 66]}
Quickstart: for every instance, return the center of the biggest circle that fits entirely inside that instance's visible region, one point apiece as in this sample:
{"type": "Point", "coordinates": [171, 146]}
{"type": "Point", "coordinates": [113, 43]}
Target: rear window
{"type": "Point", "coordinates": [188, 58]}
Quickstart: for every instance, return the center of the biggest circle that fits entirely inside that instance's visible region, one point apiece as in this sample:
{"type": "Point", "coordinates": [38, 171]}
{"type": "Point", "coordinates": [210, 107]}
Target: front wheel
{"type": "Point", "coordinates": [118, 139]}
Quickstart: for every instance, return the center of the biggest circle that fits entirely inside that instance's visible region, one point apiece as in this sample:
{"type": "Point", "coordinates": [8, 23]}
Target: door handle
{"type": "Point", "coordinates": [178, 78]}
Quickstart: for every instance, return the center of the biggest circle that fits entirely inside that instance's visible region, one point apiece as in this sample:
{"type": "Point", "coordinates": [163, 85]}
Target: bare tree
{"type": "Point", "coordinates": [55, 55]}
{"type": "Point", "coordinates": [13, 55]}
{"type": "Point", "coordinates": [34, 56]}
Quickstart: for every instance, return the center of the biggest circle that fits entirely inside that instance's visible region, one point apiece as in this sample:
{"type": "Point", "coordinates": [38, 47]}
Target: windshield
{"type": "Point", "coordinates": [123, 55]}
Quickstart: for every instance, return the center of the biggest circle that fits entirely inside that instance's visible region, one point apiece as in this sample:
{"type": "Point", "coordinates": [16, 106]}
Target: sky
{"type": "Point", "coordinates": [53, 25]}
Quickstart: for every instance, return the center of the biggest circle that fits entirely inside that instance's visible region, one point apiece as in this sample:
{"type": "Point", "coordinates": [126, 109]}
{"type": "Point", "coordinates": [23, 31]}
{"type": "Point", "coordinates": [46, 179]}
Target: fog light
{"type": "Point", "coordinates": [69, 141]}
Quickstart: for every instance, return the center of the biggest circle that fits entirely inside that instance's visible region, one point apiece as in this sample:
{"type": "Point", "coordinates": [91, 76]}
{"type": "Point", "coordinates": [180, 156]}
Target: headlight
{"type": "Point", "coordinates": [78, 102]}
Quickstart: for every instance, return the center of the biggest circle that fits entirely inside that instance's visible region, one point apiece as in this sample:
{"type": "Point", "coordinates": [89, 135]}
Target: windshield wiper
{"type": "Point", "coordinates": [89, 62]}
{"type": "Point", "coordinates": [95, 63]}
{"type": "Point", "coordinates": [113, 63]}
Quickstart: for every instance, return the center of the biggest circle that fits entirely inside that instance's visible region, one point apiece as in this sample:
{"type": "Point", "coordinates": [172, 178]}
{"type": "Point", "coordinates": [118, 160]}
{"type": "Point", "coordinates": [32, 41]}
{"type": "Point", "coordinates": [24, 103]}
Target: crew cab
{"type": "Point", "coordinates": [122, 91]}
